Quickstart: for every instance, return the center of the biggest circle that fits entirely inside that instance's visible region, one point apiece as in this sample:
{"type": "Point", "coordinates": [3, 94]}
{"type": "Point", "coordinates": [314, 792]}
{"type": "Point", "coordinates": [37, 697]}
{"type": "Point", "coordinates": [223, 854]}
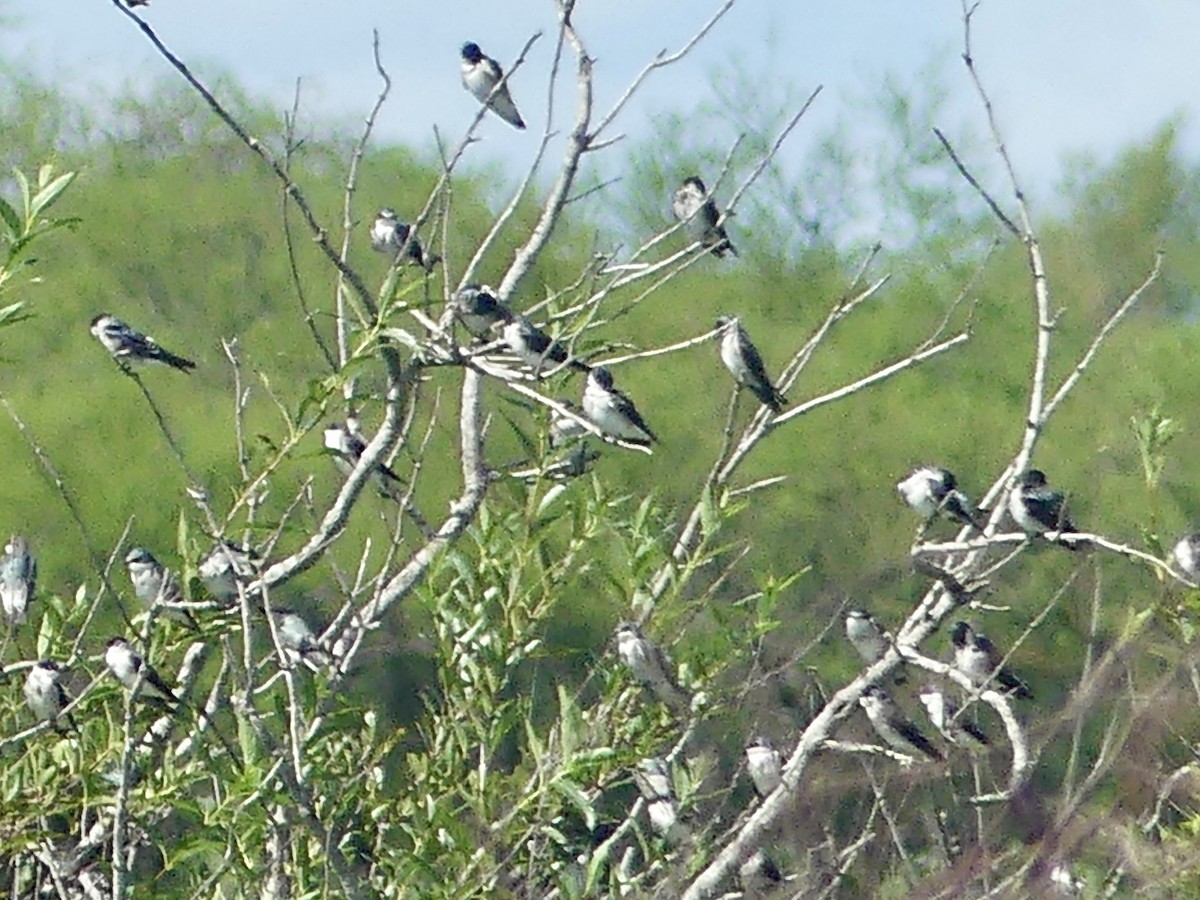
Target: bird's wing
{"type": "Point", "coordinates": [913, 735]}
{"type": "Point", "coordinates": [624, 406]}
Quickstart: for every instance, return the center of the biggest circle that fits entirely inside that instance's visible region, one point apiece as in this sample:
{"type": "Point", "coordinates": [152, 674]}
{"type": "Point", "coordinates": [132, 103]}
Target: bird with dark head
{"type": "Point", "coordinates": [695, 208]}
{"type": "Point", "coordinates": [480, 75]}
{"type": "Point", "coordinates": [744, 363]}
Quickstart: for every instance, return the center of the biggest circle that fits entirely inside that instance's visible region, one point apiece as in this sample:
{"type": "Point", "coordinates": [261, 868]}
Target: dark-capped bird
{"type": "Point", "coordinates": [45, 696]}
{"type": "Point", "coordinates": [476, 306]}
{"type": "Point", "coordinates": [535, 348]}
{"type": "Point", "coordinates": [480, 75]}
{"type": "Point", "coordinates": [890, 723]}
{"type": "Point", "coordinates": [612, 411]}
{"type": "Point", "coordinates": [692, 205]}
{"type": "Point", "coordinates": [930, 490]}
{"type": "Point", "coordinates": [977, 658]}
{"type": "Point", "coordinates": [127, 345]}
{"type": "Point", "coordinates": [395, 238]}
{"type": "Point", "coordinates": [1037, 509]}
{"type": "Point", "coordinates": [745, 364]}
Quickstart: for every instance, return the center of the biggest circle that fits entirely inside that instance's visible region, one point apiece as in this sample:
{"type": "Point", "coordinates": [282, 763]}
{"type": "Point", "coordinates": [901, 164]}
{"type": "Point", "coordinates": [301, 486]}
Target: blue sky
{"type": "Point", "coordinates": [1072, 76]}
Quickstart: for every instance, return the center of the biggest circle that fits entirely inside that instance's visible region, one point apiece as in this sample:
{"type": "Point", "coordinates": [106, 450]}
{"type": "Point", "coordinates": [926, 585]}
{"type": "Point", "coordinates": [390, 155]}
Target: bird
{"type": "Point", "coordinates": [944, 714]}
{"type": "Point", "coordinates": [1187, 556]}
{"type": "Point", "coordinates": [45, 696]}
{"type": "Point", "coordinates": [932, 489]}
{"type": "Point", "coordinates": [127, 345]}
{"type": "Point", "coordinates": [977, 657]}
{"type": "Point", "coordinates": [653, 779]}
{"type": "Point", "coordinates": [1036, 508]}
{"type": "Point", "coordinates": [295, 636]}
{"type": "Point", "coordinates": [535, 348]}
{"type": "Point", "coordinates": [226, 565]}
{"type": "Point", "coordinates": [693, 206]}
{"type": "Point", "coordinates": [893, 726]}
{"type": "Point", "coordinates": [480, 75]}
{"type": "Point", "coordinates": [346, 445]}
{"type": "Point", "coordinates": [765, 765]}
{"type": "Point", "coordinates": [153, 583]}
{"type": "Point", "coordinates": [391, 236]}
{"type": "Point", "coordinates": [649, 665]}
{"type": "Point", "coordinates": [869, 639]}
{"type": "Point", "coordinates": [745, 364]}
{"type": "Point", "coordinates": [759, 875]}
{"type": "Point", "coordinates": [127, 666]}
{"type": "Point", "coordinates": [18, 579]}
{"type": "Point", "coordinates": [564, 429]}
{"type": "Point", "coordinates": [476, 306]}
{"type": "Point", "coordinates": [612, 411]}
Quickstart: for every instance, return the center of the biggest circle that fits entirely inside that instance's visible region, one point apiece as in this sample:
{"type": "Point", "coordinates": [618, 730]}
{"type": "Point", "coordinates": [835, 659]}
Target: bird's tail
{"type": "Point", "coordinates": [179, 362]}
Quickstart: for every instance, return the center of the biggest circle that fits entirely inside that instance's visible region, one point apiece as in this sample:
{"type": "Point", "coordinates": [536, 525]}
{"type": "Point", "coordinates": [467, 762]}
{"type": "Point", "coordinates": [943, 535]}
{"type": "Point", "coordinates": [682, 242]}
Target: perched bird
{"type": "Point", "coordinates": [153, 583]}
{"type": "Point", "coordinates": [612, 411]}
{"type": "Point", "coordinates": [869, 639]}
{"type": "Point", "coordinates": [480, 75]}
{"type": "Point", "coordinates": [977, 658]}
{"type": "Point", "coordinates": [649, 665]}
{"type": "Point", "coordinates": [1187, 556]}
{"type": "Point", "coordinates": [893, 726]}
{"type": "Point", "coordinates": [653, 780]}
{"type": "Point", "coordinates": [535, 348]}
{"type": "Point", "coordinates": [944, 714]}
{"type": "Point", "coordinates": [224, 567]}
{"type": "Point", "coordinates": [765, 765]}
{"type": "Point", "coordinates": [742, 360]}
{"type": "Point", "coordinates": [478, 309]}
{"type": "Point", "coordinates": [391, 236]}
{"type": "Point", "coordinates": [295, 636]}
{"type": "Point", "coordinates": [759, 874]}
{"type": "Point", "coordinates": [127, 345]}
{"type": "Point", "coordinates": [45, 696]}
{"type": "Point", "coordinates": [127, 667]}
{"type": "Point", "coordinates": [18, 579]}
{"type": "Point", "coordinates": [563, 430]}
{"type": "Point", "coordinates": [932, 489]}
{"type": "Point", "coordinates": [692, 205]}
{"type": "Point", "coordinates": [1036, 509]}
{"type": "Point", "coordinates": [346, 445]}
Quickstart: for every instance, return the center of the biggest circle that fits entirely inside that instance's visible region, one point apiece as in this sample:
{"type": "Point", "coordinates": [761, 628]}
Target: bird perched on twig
{"type": "Point", "coordinates": [537, 349]}
{"type": "Point", "coordinates": [692, 205]}
{"type": "Point", "coordinates": [612, 411]}
{"type": "Point", "coordinates": [930, 490]}
{"type": "Point", "coordinates": [226, 565]}
{"type": "Point", "coordinates": [127, 345]}
{"type": "Point", "coordinates": [296, 637]}
{"type": "Point", "coordinates": [1037, 509]}
{"type": "Point", "coordinates": [346, 444]}
{"type": "Point", "coordinates": [944, 714]}
{"type": "Point", "coordinates": [896, 729]}
{"type": "Point", "coordinates": [395, 238]}
{"type": "Point", "coordinates": [480, 75]}
{"type": "Point", "coordinates": [127, 666]}
{"type": "Point", "coordinates": [153, 583]}
{"type": "Point", "coordinates": [869, 639]}
{"type": "Point", "coordinates": [476, 306]}
{"type": "Point", "coordinates": [745, 364]}
{"type": "Point", "coordinates": [45, 696]}
{"type": "Point", "coordinates": [765, 765]}
{"type": "Point", "coordinates": [1187, 556]}
{"type": "Point", "coordinates": [977, 658]}
{"type": "Point", "coordinates": [649, 665]}
{"type": "Point", "coordinates": [653, 780]}
{"type": "Point", "coordinates": [18, 580]}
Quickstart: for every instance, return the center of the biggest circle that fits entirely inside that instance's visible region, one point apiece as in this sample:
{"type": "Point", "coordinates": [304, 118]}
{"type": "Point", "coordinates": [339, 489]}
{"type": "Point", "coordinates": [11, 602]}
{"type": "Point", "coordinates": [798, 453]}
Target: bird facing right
{"type": "Point", "coordinates": [744, 363]}
{"type": "Point", "coordinates": [480, 75]}
{"type": "Point", "coordinates": [1037, 509]}
{"type": "Point", "coordinates": [127, 345]}
{"type": "Point", "coordinates": [930, 490]}
{"type": "Point", "coordinates": [612, 411]}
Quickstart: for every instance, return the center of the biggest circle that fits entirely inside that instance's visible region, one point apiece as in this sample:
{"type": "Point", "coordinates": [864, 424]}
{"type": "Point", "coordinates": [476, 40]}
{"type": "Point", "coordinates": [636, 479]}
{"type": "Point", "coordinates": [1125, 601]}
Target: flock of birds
{"type": "Point", "coordinates": [230, 566]}
{"type": "Point", "coordinates": [931, 491]}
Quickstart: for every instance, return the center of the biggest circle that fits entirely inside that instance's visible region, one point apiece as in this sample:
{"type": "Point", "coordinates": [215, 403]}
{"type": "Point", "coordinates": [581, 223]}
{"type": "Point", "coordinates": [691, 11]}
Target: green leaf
{"type": "Point", "coordinates": [570, 722]}
{"type": "Point", "coordinates": [11, 219]}
{"type": "Point", "coordinates": [45, 198]}
{"type": "Point", "coordinates": [575, 795]}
